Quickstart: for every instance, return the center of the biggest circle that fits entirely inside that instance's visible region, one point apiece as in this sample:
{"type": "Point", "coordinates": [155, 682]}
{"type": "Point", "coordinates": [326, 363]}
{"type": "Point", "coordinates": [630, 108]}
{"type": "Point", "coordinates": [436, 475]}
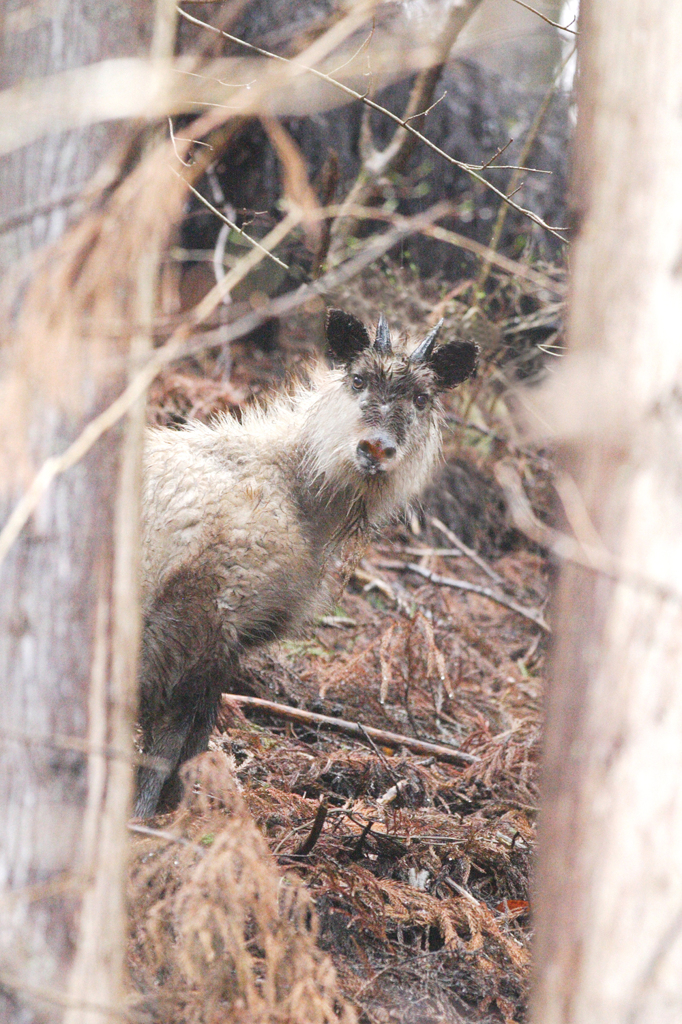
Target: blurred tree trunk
{"type": "Point", "coordinates": [609, 902]}
{"type": "Point", "coordinates": [68, 587]}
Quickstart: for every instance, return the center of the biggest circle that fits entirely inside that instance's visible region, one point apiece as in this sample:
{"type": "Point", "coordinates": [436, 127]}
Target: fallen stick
{"type": "Point", "coordinates": [360, 732]}
{"type": "Point", "coordinates": [469, 552]}
{"type": "Point", "coordinates": [315, 832]}
{"type": "Point", "coordinates": [474, 588]}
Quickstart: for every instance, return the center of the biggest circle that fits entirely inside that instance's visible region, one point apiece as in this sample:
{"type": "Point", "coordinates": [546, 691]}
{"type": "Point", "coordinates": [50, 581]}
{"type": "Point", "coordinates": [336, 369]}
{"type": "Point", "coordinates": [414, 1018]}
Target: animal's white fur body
{"type": "Point", "coordinates": [227, 491]}
{"type": "Point", "coordinates": [243, 520]}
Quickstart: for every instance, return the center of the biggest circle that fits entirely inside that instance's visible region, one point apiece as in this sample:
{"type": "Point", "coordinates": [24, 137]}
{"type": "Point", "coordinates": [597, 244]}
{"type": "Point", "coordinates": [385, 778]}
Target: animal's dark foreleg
{"type": "Point", "coordinates": [166, 745]}
{"type": "Point", "coordinates": [203, 721]}
{"type": "Point", "coordinates": [178, 735]}
{"type": "Point", "coordinates": [183, 664]}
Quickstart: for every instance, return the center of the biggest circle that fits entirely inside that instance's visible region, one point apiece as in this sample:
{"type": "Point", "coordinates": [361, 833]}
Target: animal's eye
{"type": "Point", "coordinates": [358, 382]}
{"type": "Point", "coordinates": [420, 400]}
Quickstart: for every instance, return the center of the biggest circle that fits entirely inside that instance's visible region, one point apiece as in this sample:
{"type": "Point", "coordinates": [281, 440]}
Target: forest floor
{"type": "Point", "coordinates": [301, 845]}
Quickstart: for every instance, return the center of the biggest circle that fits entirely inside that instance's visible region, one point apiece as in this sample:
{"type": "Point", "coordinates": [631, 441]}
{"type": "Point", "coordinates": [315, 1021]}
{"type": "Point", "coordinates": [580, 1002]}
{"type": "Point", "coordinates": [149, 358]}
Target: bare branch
{"type": "Point", "coordinates": [377, 164]}
{"type": "Point", "coordinates": [177, 347]}
{"type": "Point", "coordinates": [398, 150]}
{"type": "Point", "coordinates": [442, 234]}
{"type": "Point", "coordinates": [554, 24]}
{"type": "Point", "coordinates": [469, 552]}
{"type": "Point", "coordinates": [514, 185]}
{"type": "Point", "coordinates": [474, 588]}
{"type": "Point", "coordinates": [360, 732]}
{"type": "Point", "coordinates": [361, 47]}
{"type": "Point", "coordinates": [471, 169]}
{"type": "Point", "coordinates": [568, 549]}
{"type": "Point", "coordinates": [499, 152]}
{"type": "Point", "coordinates": [159, 833]}
{"type": "Point", "coordinates": [316, 831]}
{"type": "Point", "coordinates": [56, 465]}
{"type": "Point", "coordinates": [428, 110]}
{"type": "Point", "coordinates": [233, 226]}
{"type": "Point", "coordinates": [133, 87]}
{"type": "Point", "coordinates": [185, 163]}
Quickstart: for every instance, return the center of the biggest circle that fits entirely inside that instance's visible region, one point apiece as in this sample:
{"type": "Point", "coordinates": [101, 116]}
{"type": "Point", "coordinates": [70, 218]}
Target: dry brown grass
{"type": "Point", "coordinates": [217, 931]}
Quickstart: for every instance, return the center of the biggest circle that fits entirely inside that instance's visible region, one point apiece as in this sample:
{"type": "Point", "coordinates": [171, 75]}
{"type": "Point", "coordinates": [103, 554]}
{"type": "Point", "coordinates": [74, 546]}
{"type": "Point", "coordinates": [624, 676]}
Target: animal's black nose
{"type": "Point", "coordinates": [375, 452]}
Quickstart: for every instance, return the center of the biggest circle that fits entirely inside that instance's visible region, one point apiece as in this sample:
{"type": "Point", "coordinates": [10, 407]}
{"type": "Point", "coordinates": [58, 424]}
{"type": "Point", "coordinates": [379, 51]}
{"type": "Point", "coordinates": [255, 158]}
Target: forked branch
{"type": "Point", "coordinates": [376, 164]}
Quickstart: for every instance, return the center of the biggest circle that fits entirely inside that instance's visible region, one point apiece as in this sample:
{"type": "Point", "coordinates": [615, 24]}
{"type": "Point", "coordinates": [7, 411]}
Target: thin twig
{"type": "Point", "coordinates": [363, 46]}
{"type": "Point", "coordinates": [517, 189]}
{"type": "Point", "coordinates": [554, 24]}
{"type": "Point", "coordinates": [474, 588]}
{"type": "Point", "coordinates": [56, 465]}
{"type": "Point", "coordinates": [174, 141]}
{"type": "Point", "coordinates": [568, 549]}
{"type": "Point", "coordinates": [514, 185]}
{"type": "Point", "coordinates": [499, 152]}
{"type": "Point", "coordinates": [232, 225]}
{"type": "Point", "coordinates": [422, 551]}
{"type": "Point", "coordinates": [510, 445]}
{"type": "Point", "coordinates": [389, 739]}
{"type": "Point", "coordinates": [158, 833]}
{"type": "Point", "coordinates": [367, 575]}
{"type": "Point", "coordinates": [382, 757]}
{"type": "Point", "coordinates": [316, 831]}
{"type": "Point", "coordinates": [376, 165]}
{"type": "Point", "coordinates": [442, 234]}
{"type": "Point", "coordinates": [357, 848]}
{"type": "Point", "coordinates": [469, 552]}
{"type": "Point", "coordinates": [330, 281]}
{"type": "Point", "coordinates": [423, 113]}
{"type": "Point", "coordinates": [336, 621]}
{"type": "Point", "coordinates": [259, 98]}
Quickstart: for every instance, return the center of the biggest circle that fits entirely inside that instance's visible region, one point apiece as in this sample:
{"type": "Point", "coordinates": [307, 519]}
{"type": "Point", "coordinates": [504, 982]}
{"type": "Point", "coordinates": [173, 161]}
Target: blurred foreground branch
{"type": "Point", "coordinates": [178, 345]}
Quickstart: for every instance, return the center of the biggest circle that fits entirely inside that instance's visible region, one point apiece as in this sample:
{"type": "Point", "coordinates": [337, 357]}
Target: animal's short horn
{"type": "Point", "coordinates": [423, 351]}
{"type": "Point", "coordinates": [382, 342]}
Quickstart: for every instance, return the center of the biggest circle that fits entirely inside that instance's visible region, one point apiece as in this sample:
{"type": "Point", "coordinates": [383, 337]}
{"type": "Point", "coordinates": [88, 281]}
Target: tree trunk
{"type": "Point", "coordinates": [68, 587]}
{"type": "Point", "coordinates": [609, 900]}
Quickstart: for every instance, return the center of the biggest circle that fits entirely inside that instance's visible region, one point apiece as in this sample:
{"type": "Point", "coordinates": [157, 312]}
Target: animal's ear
{"type": "Point", "coordinates": [346, 335]}
{"type": "Point", "coordinates": [454, 362]}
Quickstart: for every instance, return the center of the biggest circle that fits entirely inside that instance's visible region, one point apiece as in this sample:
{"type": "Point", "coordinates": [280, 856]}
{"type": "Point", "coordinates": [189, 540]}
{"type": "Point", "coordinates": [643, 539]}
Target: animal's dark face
{"type": "Point", "coordinates": [395, 392]}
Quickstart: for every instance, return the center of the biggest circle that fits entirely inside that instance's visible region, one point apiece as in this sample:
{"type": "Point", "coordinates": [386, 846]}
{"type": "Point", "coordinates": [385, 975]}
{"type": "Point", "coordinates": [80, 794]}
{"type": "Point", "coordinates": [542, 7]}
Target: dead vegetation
{"type": "Point", "coordinates": [216, 929]}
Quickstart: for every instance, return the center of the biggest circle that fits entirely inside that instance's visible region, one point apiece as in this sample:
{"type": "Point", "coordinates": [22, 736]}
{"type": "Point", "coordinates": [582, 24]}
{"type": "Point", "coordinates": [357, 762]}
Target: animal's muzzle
{"type": "Point", "coordinates": [375, 454]}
